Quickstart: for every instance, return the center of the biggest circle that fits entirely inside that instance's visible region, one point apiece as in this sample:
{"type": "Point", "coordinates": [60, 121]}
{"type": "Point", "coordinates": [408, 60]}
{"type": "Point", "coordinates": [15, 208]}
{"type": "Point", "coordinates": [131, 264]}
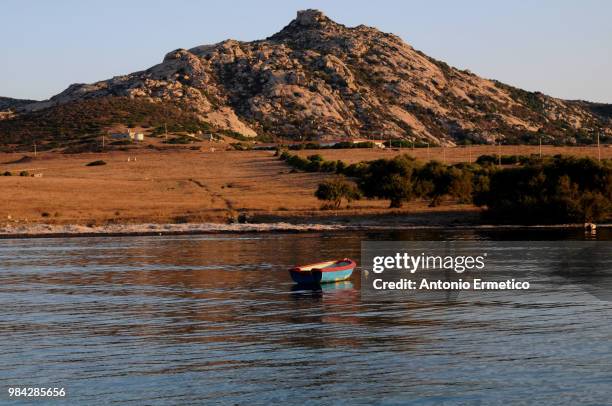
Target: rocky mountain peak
{"type": "Point", "coordinates": [307, 23]}
{"type": "Point", "coordinates": [311, 18]}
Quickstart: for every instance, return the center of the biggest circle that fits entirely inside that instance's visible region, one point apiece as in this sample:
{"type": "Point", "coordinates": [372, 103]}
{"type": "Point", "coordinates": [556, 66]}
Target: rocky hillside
{"type": "Point", "coordinates": [7, 103]}
{"type": "Point", "coordinates": [8, 106]}
{"type": "Point", "coordinates": [320, 79]}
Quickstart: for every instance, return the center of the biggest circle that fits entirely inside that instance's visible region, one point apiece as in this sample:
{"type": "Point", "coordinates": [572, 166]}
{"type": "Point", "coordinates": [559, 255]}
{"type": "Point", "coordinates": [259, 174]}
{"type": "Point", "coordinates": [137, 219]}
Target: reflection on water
{"type": "Point", "coordinates": [191, 319]}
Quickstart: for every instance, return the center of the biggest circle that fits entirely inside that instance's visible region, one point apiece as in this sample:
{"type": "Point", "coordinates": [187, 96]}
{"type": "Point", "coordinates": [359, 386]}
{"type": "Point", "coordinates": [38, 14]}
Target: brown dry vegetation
{"type": "Point", "coordinates": [163, 186]}
{"type": "Point", "coordinates": [166, 186]}
{"type": "Point", "coordinates": [194, 186]}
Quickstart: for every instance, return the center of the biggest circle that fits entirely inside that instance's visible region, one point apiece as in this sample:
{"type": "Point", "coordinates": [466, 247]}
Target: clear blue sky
{"type": "Point", "coordinates": [562, 48]}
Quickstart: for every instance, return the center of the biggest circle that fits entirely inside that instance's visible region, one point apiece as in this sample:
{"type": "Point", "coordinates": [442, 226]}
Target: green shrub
{"type": "Point", "coordinates": [357, 170]}
{"type": "Point", "coordinates": [298, 162]}
{"type": "Point", "coordinates": [487, 160]}
{"type": "Point", "coordinates": [238, 146]}
{"type": "Point", "coordinates": [556, 190]}
{"type": "Point", "coordinates": [506, 159]}
{"type": "Point", "coordinates": [342, 145]}
{"type": "Point", "coordinates": [391, 179]}
{"type": "Point", "coordinates": [122, 142]}
{"type": "Point", "coordinates": [328, 166]}
{"type": "Point", "coordinates": [182, 140]}
{"type": "Point", "coordinates": [96, 163]}
{"type": "Point", "coordinates": [365, 144]}
{"type": "Point", "coordinates": [334, 190]}
{"type": "Point", "coordinates": [340, 166]}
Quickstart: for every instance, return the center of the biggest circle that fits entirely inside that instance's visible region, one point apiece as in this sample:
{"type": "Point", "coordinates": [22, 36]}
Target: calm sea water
{"type": "Point", "coordinates": [215, 318]}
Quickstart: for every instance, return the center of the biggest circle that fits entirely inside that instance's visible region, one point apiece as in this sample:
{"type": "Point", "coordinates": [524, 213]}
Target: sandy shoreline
{"type": "Point", "coordinates": [48, 230]}
{"type": "Point", "coordinates": [63, 230]}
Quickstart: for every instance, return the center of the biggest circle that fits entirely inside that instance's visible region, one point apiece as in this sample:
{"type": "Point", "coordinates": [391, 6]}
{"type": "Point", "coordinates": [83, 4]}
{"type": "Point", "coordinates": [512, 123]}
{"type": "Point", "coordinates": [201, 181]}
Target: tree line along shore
{"type": "Point", "coordinates": [513, 189]}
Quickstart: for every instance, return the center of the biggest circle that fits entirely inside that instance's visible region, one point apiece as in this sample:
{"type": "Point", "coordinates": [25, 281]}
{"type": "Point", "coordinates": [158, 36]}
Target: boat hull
{"type": "Point", "coordinates": [316, 276]}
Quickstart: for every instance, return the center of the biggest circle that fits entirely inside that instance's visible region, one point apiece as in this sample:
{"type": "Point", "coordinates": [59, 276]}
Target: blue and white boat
{"type": "Point", "coordinates": [323, 272]}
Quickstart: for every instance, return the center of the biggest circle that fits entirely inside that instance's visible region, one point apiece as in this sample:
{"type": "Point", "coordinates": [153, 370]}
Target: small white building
{"type": "Point", "coordinates": [128, 135]}
{"type": "Point", "coordinates": [377, 143]}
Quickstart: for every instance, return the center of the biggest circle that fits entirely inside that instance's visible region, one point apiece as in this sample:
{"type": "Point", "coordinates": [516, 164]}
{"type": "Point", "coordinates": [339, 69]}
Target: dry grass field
{"type": "Point", "coordinates": [158, 186]}
{"type": "Point", "coordinates": [166, 186]}
{"type": "Point", "coordinates": [182, 185]}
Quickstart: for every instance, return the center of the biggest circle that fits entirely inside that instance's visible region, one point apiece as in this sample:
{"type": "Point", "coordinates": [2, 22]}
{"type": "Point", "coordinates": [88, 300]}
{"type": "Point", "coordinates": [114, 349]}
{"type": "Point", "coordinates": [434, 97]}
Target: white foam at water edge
{"type": "Point", "coordinates": [196, 228]}
{"type": "Point", "coordinates": [47, 229]}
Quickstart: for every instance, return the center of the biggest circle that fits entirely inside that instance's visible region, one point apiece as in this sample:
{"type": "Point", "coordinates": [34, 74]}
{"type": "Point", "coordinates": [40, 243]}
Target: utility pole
{"type": "Point", "coordinates": [540, 147]}
{"type": "Point", "coordinates": [102, 141]}
{"type": "Point", "coordinates": [598, 149]}
{"type": "Point", "coordinates": [35, 148]}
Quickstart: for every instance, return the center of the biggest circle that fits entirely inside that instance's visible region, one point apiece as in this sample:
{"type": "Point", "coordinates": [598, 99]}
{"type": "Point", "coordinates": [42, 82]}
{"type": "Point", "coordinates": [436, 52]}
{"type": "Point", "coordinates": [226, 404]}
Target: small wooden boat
{"type": "Point", "coordinates": [323, 272]}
